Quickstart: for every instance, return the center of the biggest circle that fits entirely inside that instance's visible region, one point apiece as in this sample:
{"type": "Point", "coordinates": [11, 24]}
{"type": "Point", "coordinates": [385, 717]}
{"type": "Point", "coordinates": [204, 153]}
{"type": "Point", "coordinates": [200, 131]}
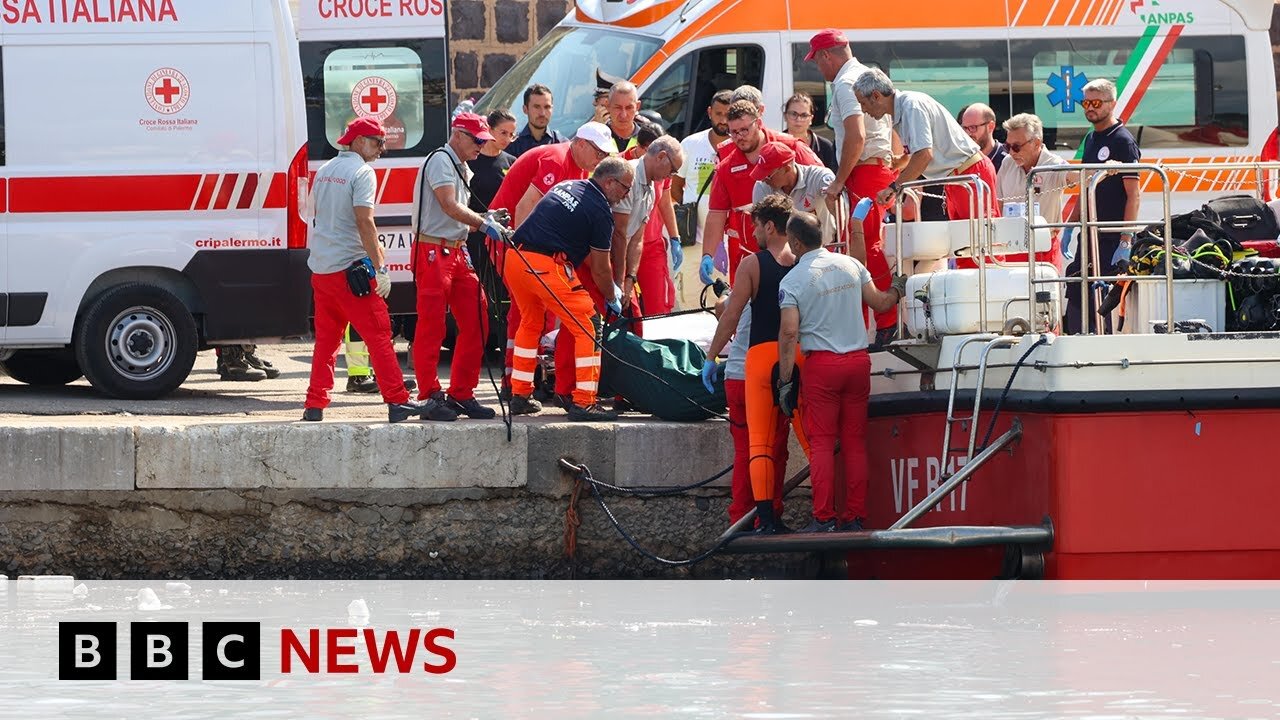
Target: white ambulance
{"type": "Point", "coordinates": [154, 163]}
{"type": "Point", "coordinates": [1196, 78]}
{"type": "Point", "coordinates": [387, 60]}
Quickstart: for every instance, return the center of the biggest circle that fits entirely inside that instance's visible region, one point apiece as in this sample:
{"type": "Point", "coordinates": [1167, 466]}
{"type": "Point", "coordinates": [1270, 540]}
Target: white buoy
{"type": "Point", "coordinates": [46, 583]}
{"type": "Point", "coordinates": [80, 591]}
{"type": "Point", "coordinates": [148, 601]}
{"type": "Point", "coordinates": [177, 588]}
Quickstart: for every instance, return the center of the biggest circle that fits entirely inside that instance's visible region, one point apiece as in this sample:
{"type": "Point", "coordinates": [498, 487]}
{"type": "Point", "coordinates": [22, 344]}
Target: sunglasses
{"type": "Point", "coordinates": [1017, 147]}
{"type": "Point", "coordinates": [381, 141]}
{"type": "Point", "coordinates": [1093, 104]}
{"type": "Point", "coordinates": [476, 140]}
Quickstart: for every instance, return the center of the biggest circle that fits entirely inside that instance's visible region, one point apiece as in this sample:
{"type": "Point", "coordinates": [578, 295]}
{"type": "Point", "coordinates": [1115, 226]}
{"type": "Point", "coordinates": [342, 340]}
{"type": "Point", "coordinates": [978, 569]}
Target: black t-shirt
{"type": "Point", "coordinates": [573, 218]}
{"type": "Point", "coordinates": [487, 176]}
{"type": "Point", "coordinates": [825, 150]}
{"type": "Point", "coordinates": [1113, 144]}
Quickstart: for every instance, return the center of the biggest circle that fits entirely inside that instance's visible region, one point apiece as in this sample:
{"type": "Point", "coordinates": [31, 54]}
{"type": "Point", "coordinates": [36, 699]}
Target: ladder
{"type": "Point", "coordinates": [993, 342]}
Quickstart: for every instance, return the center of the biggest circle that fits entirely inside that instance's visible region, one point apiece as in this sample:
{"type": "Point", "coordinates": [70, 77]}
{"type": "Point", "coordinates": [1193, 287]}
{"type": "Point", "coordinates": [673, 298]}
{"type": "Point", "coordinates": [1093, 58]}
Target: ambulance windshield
{"type": "Point", "coordinates": [566, 60]}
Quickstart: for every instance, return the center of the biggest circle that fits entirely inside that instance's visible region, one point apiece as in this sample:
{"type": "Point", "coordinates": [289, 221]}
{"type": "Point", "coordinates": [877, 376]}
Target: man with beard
{"type": "Point", "coordinates": [979, 123]}
{"type": "Point", "coordinates": [538, 107]}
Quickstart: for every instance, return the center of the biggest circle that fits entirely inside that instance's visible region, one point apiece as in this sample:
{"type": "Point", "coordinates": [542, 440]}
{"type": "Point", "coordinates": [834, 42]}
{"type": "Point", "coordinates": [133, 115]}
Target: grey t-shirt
{"type": "Point", "coordinates": [639, 202]}
{"type": "Point", "coordinates": [922, 122]}
{"type": "Point", "coordinates": [441, 170]}
{"type": "Point", "coordinates": [844, 104]}
{"type": "Point", "coordinates": [807, 195]}
{"type": "Point", "coordinates": [827, 289]}
{"type": "Point", "coordinates": [342, 184]}
{"type": "Point", "coordinates": [735, 368]}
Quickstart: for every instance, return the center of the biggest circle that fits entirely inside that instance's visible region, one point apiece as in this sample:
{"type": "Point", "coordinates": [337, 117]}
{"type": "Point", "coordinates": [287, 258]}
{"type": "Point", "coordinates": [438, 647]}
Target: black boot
{"type": "Point", "coordinates": [766, 523]}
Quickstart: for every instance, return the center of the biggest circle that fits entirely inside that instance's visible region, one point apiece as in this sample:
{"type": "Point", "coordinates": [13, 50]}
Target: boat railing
{"type": "Point", "coordinates": [1088, 227]}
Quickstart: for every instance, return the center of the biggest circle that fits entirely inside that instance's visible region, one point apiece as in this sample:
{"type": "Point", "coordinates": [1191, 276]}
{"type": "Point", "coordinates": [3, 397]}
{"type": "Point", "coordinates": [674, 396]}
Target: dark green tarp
{"type": "Point", "coordinates": [678, 395]}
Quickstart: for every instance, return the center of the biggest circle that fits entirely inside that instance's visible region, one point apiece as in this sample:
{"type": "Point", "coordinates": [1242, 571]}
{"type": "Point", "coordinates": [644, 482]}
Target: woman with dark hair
{"type": "Point", "coordinates": [798, 115]}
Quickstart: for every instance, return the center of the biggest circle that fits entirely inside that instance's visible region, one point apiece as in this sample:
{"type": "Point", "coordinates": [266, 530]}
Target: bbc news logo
{"type": "Point", "coordinates": [233, 651]}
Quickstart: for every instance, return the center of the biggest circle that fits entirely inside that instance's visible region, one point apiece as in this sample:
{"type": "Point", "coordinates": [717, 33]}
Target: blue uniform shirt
{"type": "Point", "coordinates": [1114, 144]}
{"type": "Point", "coordinates": [573, 218]}
{"type": "Point", "coordinates": [525, 141]}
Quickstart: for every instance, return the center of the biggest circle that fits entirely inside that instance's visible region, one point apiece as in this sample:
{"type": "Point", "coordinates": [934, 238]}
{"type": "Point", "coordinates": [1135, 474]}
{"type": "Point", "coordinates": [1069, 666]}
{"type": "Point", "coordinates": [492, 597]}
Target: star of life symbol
{"type": "Point", "coordinates": [167, 91]}
{"type": "Point", "coordinates": [1068, 88]}
{"type": "Point", "coordinates": [373, 97]}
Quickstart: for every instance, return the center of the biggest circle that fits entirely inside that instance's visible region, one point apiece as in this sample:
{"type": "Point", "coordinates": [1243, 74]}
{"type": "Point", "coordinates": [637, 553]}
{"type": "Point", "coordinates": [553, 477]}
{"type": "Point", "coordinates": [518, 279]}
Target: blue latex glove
{"type": "Point", "coordinates": [710, 371]}
{"type": "Point", "coordinates": [862, 208]}
{"type": "Point", "coordinates": [677, 254]}
{"type": "Point", "coordinates": [1068, 252]}
{"type": "Point", "coordinates": [615, 305]}
{"type": "Point", "coordinates": [1122, 253]}
{"type": "Point", "coordinates": [492, 229]}
{"type": "Point", "coordinates": [706, 269]}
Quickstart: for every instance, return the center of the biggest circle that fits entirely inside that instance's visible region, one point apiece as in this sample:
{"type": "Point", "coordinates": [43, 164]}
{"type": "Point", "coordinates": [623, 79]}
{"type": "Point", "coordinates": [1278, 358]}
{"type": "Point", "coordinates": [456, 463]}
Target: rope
{"type": "Point", "coordinates": [583, 473]}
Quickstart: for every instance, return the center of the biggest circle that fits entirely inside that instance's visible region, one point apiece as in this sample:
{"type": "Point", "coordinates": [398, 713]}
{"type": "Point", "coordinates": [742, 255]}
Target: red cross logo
{"type": "Point", "coordinates": [166, 90]}
{"type": "Point", "coordinates": [373, 100]}
{"type": "Point", "coordinates": [373, 97]}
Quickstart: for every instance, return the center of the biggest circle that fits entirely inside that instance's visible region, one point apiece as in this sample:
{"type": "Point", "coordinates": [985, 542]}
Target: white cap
{"type": "Point", "coordinates": [598, 134]}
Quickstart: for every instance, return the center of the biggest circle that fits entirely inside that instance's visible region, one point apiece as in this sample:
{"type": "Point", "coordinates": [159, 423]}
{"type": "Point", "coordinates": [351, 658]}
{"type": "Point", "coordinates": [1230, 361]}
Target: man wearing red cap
{"type": "Point", "coordinates": [344, 254]}
{"type": "Point", "coordinates": [729, 209]}
{"type": "Point", "coordinates": [865, 148]}
{"type": "Point", "coordinates": [530, 177]}
{"type": "Point", "coordinates": [776, 171]}
{"type": "Point", "coordinates": [937, 145]}
{"type": "Point", "coordinates": [443, 272]}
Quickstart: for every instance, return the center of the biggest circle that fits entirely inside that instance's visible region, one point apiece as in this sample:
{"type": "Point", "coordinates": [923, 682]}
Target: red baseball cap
{"type": "Point", "coordinates": [367, 126]}
{"type": "Point", "coordinates": [772, 156]}
{"type": "Point", "coordinates": [826, 39]}
{"type": "Point", "coordinates": [472, 124]}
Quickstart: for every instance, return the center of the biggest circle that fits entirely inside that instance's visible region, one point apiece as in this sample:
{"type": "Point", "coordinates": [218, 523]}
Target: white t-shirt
{"type": "Point", "coordinates": [342, 184]}
{"type": "Point", "coordinates": [699, 160]}
{"type": "Point", "coordinates": [844, 104]}
{"type": "Point", "coordinates": [922, 122]}
{"type": "Point", "coordinates": [1011, 184]}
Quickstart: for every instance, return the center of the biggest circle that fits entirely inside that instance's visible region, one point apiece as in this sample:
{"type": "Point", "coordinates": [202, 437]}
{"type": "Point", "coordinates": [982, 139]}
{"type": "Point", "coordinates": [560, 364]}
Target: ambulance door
{"type": "Point", "coordinates": [404, 84]}
{"type": "Point", "coordinates": [5, 265]}
{"type": "Point", "coordinates": [683, 89]}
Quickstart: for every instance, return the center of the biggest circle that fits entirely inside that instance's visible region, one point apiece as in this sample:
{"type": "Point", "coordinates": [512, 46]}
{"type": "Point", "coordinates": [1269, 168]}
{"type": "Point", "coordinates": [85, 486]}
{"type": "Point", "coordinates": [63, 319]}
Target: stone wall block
{"type": "Point", "coordinates": [286, 455]}
{"type": "Point", "coordinates": [493, 67]}
{"type": "Point", "coordinates": [67, 458]}
{"type": "Point", "coordinates": [651, 454]}
{"type": "Point", "coordinates": [467, 20]}
{"type": "Point", "coordinates": [466, 70]}
{"type": "Point", "coordinates": [512, 21]}
{"type": "Point", "coordinates": [593, 445]}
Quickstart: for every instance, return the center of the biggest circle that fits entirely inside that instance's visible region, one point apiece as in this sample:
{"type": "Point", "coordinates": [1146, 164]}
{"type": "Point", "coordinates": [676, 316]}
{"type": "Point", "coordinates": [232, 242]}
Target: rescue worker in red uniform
{"type": "Point", "coordinates": [818, 297]}
{"type": "Point", "coordinates": [759, 277]}
{"type": "Point", "coordinates": [732, 187]}
{"type": "Point", "coordinates": [571, 227]}
{"type": "Point", "coordinates": [343, 242]}
{"type": "Point", "coordinates": [443, 272]}
{"type": "Point", "coordinates": [528, 180]}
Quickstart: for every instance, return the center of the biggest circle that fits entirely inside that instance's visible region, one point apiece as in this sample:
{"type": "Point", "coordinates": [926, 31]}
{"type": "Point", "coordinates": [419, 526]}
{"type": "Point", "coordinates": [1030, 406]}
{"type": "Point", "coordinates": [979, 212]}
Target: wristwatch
{"type": "Point", "coordinates": [632, 278]}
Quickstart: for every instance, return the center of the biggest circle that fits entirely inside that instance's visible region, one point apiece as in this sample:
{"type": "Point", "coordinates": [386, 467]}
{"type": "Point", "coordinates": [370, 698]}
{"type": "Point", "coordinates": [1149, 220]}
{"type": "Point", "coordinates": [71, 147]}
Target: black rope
{"type": "Point", "coordinates": [584, 473]}
{"type": "Point", "coordinates": [1044, 340]}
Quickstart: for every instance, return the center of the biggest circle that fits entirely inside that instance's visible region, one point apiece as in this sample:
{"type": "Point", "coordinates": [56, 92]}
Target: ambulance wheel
{"type": "Point", "coordinates": [136, 342]}
{"type": "Point", "coordinates": [43, 368]}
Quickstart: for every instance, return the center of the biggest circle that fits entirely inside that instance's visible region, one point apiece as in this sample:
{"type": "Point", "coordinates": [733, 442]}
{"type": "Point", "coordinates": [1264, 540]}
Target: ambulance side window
{"type": "Point", "coordinates": [955, 73]}
{"type": "Point", "coordinates": [1198, 96]}
{"type": "Point", "coordinates": [683, 92]}
{"type": "Point", "coordinates": [400, 82]}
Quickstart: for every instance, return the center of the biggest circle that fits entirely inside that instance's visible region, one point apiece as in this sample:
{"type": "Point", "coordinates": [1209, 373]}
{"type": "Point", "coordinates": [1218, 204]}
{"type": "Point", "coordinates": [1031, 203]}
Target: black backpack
{"type": "Point", "coordinates": [1243, 217]}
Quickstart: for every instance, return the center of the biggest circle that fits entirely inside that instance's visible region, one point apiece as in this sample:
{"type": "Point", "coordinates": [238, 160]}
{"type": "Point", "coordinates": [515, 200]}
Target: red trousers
{"type": "Point", "coordinates": [867, 181]}
{"type": "Point", "coordinates": [740, 232]}
{"type": "Point", "coordinates": [567, 343]}
{"type": "Point", "coordinates": [335, 307]}
{"type": "Point", "coordinates": [742, 500]}
{"type": "Point", "coordinates": [960, 198]}
{"type": "Point", "coordinates": [657, 291]}
{"type": "Point", "coordinates": [836, 388]}
{"type": "Point", "coordinates": [447, 282]}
